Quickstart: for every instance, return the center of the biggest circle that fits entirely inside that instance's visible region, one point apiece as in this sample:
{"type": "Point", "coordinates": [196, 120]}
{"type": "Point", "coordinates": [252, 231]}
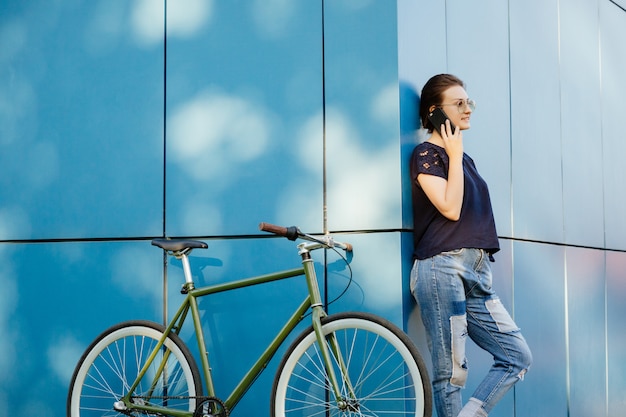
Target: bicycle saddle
{"type": "Point", "coordinates": [176, 245]}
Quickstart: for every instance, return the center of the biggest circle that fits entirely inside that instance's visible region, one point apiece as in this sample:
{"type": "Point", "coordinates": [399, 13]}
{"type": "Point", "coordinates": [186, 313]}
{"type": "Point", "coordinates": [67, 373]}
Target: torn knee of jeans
{"type": "Point", "coordinates": [521, 375]}
{"type": "Point", "coordinates": [458, 327]}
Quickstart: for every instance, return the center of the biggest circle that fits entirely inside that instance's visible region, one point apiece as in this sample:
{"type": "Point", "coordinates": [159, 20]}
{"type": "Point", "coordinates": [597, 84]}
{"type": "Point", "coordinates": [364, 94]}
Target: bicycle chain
{"type": "Point", "coordinates": [199, 400]}
{"type": "Point", "coordinates": [168, 397]}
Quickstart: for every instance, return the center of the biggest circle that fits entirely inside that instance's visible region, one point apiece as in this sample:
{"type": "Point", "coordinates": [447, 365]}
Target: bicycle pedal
{"type": "Point", "coordinates": [119, 406]}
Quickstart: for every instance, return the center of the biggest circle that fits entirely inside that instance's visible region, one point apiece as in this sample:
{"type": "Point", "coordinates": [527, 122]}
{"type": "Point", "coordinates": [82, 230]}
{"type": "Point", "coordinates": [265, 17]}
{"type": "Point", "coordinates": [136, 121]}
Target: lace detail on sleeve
{"type": "Point", "coordinates": [429, 161]}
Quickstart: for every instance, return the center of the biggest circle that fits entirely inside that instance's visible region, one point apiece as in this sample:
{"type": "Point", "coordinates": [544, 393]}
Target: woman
{"type": "Point", "coordinates": [454, 240]}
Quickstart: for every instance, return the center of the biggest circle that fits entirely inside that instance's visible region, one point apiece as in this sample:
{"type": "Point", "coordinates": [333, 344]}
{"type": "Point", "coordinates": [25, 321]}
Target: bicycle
{"type": "Point", "coordinates": [345, 364]}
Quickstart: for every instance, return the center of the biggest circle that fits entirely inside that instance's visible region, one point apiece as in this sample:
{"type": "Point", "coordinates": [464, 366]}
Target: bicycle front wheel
{"type": "Point", "coordinates": [109, 367]}
{"type": "Point", "coordinates": [379, 370]}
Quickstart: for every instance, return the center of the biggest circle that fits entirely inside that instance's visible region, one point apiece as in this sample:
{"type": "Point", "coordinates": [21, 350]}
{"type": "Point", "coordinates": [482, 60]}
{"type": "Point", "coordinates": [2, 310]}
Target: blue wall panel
{"type": "Point", "coordinates": [362, 130]}
{"type": "Point", "coordinates": [535, 121]}
{"type": "Point", "coordinates": [612, 32]}
{"type": "Point", "coordinates": [581, 122]}
{"type": "Point", "coordinates": [73, 161]}
{"type": "Point", "coordinates": [377, 270]}
{"type": "Point", "coordinates": [55, 299]}
{"type": "Point", "coordinates": [244, 126]}
{"type": "Point", "coordinates": [615, 334]}
{"type": "Point", "coordinates": [586, 314]}
{"type": "Point", "coordinates": [539, 289]}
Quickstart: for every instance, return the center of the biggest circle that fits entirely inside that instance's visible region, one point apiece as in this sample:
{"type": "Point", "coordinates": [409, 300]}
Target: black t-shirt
{"type": "Point", "coordinates": [433, 233]}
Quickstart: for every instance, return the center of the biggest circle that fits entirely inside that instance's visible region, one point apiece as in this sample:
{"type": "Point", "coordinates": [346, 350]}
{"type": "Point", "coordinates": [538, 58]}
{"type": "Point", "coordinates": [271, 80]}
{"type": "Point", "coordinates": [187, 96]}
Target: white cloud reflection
{"type": "Point", "coordinates": [147, 21]}
{"type": "Point", "coordinates": [213, 132]}
{"type": "Point", "coordinates": [385, 106]}
{"type": "Point", "coordinates": [184, 19]}
{"type": "Point", "coordinates": [363, 182]}
{"type": "Point", "coordinates": [62, 354]}
{"type": "Point", "coordinates": [360, 185]}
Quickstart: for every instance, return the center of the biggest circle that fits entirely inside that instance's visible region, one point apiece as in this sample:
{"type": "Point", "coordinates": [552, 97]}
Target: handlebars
{"type": "Point", "coordinates": [293, 233]}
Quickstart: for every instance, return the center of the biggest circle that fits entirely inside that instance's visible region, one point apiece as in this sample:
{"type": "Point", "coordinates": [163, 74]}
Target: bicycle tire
{"type": "Point", "coordinates": [110, 364]}
{"type": "Point", "coordinates": [386, 371]}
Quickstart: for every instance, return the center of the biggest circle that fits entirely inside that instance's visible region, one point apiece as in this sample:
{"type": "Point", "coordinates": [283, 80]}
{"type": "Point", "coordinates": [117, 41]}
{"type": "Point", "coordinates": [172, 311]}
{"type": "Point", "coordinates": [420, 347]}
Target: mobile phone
{"type": "Point", "coordinates": [438, 117]}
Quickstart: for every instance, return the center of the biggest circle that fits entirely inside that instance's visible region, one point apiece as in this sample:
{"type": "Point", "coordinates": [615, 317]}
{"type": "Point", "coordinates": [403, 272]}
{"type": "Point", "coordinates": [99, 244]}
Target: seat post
{"type": "Point", "coordinates": [189, 285]}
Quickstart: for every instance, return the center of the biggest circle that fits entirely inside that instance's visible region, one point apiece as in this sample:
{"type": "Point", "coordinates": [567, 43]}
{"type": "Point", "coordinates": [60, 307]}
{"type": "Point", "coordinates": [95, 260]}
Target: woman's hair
{"type": "Point", "coordinates": [432, 95]}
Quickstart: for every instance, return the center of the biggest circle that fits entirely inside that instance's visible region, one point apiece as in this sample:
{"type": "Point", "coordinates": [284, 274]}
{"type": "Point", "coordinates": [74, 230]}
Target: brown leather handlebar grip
{"type": "Point", "coordinates": [272, 228]}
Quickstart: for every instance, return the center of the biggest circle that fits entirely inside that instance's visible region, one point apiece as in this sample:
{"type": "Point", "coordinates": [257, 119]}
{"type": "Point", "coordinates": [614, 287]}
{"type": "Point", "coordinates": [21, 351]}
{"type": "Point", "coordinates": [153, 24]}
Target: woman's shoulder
{"type": "Point", "coordinates": [428, 150]}
{"type": "Point", "coordinates": [429, 158]}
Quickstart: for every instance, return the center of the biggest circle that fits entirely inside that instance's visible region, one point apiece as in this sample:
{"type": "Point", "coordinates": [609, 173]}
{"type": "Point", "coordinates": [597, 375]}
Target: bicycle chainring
{"type": "Point", "coordinates": [211, 407]}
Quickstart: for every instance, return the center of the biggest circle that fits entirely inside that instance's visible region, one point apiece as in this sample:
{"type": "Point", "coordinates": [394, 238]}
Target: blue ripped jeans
{"type": "Point", "coordinates": [454, 293]}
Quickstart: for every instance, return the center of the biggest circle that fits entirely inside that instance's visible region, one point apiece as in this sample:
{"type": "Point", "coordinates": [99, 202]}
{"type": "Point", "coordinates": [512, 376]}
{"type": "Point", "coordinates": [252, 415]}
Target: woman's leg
{"type": "Point", "coordinates": [491, 327]}
{"type": "Point", "coordinates": [439, 291]}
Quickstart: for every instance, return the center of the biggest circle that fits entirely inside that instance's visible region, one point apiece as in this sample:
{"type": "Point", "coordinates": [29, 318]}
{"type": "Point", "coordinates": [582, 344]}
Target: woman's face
{"type": "Point", "coordinates": [455, 105]}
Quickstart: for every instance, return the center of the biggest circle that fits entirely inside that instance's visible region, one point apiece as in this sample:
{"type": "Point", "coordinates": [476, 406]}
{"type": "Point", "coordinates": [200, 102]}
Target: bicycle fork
{"type": "Point", "coordinates": [347, 402]}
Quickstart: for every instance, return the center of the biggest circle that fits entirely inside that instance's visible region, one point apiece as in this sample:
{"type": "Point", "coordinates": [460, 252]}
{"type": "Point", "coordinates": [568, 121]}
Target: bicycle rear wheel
{"type": "Point", "coordinates": [386, 372]}
{"type": "Point", "coordinates": [112, 362]}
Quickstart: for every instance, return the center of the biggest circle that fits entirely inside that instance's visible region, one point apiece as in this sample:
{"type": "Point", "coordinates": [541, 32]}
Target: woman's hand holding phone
{"type": "Point", "coordinates": [452, 139]}
{"type": "Point", "coordinates": [450, 134]}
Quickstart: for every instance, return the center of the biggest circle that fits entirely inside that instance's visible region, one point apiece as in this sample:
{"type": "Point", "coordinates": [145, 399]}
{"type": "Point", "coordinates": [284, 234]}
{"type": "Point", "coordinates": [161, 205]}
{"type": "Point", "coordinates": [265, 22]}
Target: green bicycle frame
{"type": "Point", "coordinates": [312, 301]}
